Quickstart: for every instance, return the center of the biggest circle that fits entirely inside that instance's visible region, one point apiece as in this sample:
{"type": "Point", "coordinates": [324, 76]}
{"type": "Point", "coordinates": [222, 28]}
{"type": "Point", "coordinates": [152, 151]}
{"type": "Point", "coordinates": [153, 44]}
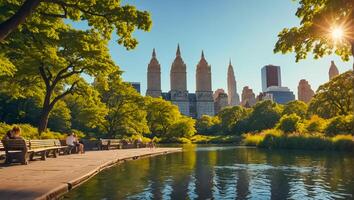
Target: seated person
{"type": "Point", "coordinates": [73, 142]}
{"type": "Point", "coordinates": [79, 144]}
{"type": "Point", "coordinates": [16, 131]}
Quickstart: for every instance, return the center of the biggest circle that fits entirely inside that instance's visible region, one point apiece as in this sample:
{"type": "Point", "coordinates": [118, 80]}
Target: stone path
{"type": "Point", "coordinates": [56, 176]}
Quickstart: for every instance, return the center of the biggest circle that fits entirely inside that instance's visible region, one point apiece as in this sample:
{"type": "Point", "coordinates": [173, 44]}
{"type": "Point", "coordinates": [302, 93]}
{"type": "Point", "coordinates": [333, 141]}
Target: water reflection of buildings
{"type": "Point", "coordinates": [227, 174]}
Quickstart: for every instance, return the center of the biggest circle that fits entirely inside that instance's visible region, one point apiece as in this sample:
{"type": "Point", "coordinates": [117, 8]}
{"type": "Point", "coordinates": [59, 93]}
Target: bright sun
{"type": "Point", "coordinates": [337, 33]}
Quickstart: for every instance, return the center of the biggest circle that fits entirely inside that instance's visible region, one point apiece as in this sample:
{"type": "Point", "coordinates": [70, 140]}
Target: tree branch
{"type": "Point", "coordinates": [68, 91]}
{"type": "Point", "coordinates": [18, 18]}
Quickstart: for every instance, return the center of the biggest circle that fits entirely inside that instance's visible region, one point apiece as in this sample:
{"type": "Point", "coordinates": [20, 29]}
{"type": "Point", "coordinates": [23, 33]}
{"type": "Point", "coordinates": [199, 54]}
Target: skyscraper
{"type": "Point", "coordinates": [333, 70]}
{"type": "Point", "coordinates": [178, 78]}
{"type": "Point", "coordinates": [304, 91]}
{"type": "Point", "coordinates": [270, 76]}
{"type": "Point", "coordinates": [204, 93]}
{"type": "Point", "coordinates": [248, 97]}
{"type": "Point", "coordinates": [154, 77]}
{"type": "Point", "coordinates": [220, 100]}
{"type": "Point", "coordinates": [234, 98]}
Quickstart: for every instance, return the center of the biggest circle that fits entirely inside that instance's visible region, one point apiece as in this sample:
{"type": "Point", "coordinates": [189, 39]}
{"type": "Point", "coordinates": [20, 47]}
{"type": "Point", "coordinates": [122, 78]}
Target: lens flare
{"type": "Point", "coordinates": [337, 33]}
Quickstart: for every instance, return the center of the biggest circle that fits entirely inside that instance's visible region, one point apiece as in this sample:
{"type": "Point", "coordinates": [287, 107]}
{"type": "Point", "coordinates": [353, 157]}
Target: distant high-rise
{"type": "Point", "coordinates": [178, 76]}
{"type": "Point", "coordinates": [234, 98]}
{"type": "Point", "coordinates": [333, 70]}
{"type": "Point", "coordinates": [220, 100]}
{"type": "Point", "coordinates": [304, 91]}
{"type": "Point", "coordinates": [248, 97]}
{"type": "Point", "coordinates": [270, 76]}
{"type": "Point", "coordinates": [154, 77]}
{"type": "Point", "coordinates": [136, 86]}
{"type": "Point", "coordinates": [204, 94]}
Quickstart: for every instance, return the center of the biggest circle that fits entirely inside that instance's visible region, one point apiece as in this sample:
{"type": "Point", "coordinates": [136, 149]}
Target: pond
{"type": "Point", "coordinates": [226, 172]}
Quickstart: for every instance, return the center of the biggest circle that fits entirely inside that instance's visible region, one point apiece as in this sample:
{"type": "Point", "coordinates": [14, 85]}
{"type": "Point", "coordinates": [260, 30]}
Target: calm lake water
{"type": "Point", "coordinates": [201, 172]}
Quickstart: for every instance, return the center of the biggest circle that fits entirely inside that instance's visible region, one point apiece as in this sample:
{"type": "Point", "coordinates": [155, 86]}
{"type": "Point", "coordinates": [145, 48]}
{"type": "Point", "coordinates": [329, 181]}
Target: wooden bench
{"type": "Point", "coordinates": [23, 150]}
{"type": "Point", "coordinates": [107, 144]}
{"type": "Point", "coordinates": [2, 151]}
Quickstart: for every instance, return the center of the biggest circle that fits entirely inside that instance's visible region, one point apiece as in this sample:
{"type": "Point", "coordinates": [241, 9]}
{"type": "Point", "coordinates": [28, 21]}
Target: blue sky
{"type": "Point", "coordinates": [244, 31]}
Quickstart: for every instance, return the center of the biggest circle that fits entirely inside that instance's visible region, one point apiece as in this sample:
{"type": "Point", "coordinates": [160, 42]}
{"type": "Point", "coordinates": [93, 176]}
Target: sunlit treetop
{"type": "Point", "coordinates": [326, 27]}
{"type": "Point", "coordinates": [102, 15]}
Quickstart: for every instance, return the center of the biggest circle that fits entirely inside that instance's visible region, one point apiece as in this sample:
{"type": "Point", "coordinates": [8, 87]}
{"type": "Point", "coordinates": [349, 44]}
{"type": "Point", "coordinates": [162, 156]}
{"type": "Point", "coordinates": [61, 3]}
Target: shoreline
{"type": "Point", "coordinates": [53, 178]}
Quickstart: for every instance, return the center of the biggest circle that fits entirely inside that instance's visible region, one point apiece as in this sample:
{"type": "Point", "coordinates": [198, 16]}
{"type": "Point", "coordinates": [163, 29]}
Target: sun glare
{"type": "Point", "coordinates": [337, 33]}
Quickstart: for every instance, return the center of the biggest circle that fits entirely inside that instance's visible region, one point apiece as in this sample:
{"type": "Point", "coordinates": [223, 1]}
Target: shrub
{"type": "Point", "coordinates": [315, 124]}
{"type": "Point", "coordinates": [252, 139]}
{"type": "Point", "coordinates": [289, 123]}
{"type": "Point", "coordinates": [340, 125]}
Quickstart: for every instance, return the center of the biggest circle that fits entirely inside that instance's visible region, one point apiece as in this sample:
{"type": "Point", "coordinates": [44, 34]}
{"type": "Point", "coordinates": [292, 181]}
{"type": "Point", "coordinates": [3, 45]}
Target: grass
{"type": "Point", "coordinates": [276, 140]}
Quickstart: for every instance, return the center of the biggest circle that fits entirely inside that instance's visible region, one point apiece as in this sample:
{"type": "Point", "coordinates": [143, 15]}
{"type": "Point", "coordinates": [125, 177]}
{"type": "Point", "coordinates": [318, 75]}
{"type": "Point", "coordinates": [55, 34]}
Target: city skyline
{"type": "Point", "coordinates": [248, 39]}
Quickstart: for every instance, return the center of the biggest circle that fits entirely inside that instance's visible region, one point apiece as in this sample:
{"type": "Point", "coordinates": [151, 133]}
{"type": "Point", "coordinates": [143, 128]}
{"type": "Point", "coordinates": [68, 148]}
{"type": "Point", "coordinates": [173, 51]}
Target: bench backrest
{"type": "Point", "coordinates": [2, 148]}
{"type": "Point", "coordinates": [15, 144]}
{"type": "Point", "coordinates": [36, 144]}
{"type": "Point", "coordinates": [104, 141]}
{"type": "Point", "coordinates": [114, 142]}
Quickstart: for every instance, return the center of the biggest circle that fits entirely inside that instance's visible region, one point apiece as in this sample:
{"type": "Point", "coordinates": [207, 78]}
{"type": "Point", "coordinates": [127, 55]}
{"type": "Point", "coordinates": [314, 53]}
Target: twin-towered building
{"type": "Point", "coordinates": [195, 104]}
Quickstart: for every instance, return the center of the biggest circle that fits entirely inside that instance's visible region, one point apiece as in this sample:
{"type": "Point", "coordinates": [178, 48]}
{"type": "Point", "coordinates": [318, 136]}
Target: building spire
{"type": "Point", "coordinates": [178, 53]}
{"type": "Point", "coordinates": [202, 54]}
{"type": "Point", "coordinates": [153, 53]}
{"type": "Point", "coordinates": [230, 62]}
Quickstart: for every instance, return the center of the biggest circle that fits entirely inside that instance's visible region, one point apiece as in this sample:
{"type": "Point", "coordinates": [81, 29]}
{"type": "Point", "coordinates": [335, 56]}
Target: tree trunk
{"type": "Point", "coordinates": [352, 44]}
{"type": "Point", "coordinates": [18, 18]}
{"type": "Point", "coordinates": [43, 120]}
{"type": "Point", "coordinates": [46, 108]}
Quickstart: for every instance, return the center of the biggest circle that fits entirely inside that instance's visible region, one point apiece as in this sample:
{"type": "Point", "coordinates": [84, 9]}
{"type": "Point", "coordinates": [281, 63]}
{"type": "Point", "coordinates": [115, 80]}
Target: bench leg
{"type": "Point", "coordinates": [43, 155]}
{"type": "Point", "coordinates": [24, 158]}
{"type": "Point", "coordinates": [31, 156]}
{"type": "Point", "coordinates": [56, 153]}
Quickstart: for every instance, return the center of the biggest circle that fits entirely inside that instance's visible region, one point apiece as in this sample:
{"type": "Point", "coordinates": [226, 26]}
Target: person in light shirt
{"type": "Point", "coordinates": [73, 142]}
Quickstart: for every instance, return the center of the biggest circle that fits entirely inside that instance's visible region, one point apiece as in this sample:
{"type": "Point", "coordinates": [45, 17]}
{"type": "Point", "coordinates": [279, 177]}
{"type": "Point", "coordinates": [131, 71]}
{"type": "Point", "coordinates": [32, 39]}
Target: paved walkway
{"type": "Point", "coordinates": [55, 176]}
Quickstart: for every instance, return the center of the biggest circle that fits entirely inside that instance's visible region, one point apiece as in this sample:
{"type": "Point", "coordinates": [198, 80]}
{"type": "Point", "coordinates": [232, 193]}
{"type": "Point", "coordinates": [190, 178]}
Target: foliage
{"type": "Point", "coordinates": [265, 115]}
{"type": "Point", "coordinates": [102, 16]}
{"type": "Point", "coordinates": [60, 118]}
{"type": "Point", "coordinates": [208, 125]}
{"type": "Point", "coordinates": [231, 116]}
{"type": "Point", "coordinates": [161, 115]}
{"type": "Point", "coordinates": [318, 18]}
{"type": "Point", "coordinates": [335, 97]}
{"type": "Point", "coordinates": [295, 107]}
{"type": "Point", "coordinates": [315, 124]}
{"type": "Point", "coordinates": [182, 128]}
{"type": "Point", "coordinates": [275, 140]}
{"type": "Point", "coordinates": [289, 123]}
{"type": "Point", "coordinates": [88, 112]}
{"type": "Point", "coordinates": [29, 132]}
{"type": "Point", "coordinates": [215, 139]}
{"type": "Point", "coordinates": [126, 115]}
{"type": "Point", "coordinates": [340, 125]}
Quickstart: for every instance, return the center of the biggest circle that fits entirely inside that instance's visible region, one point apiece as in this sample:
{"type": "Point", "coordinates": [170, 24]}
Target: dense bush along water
{"type": "Point", "coordinates": [214, 172]}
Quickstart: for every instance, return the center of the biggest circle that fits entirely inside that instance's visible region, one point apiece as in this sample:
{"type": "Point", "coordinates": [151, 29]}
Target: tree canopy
{"type": "Point", "coordinates": [295, 107]}
{"type": "Point", "coordinates": [318, 20]}
{"type": "Point", "coordinates": [335, 97]}
{"type": "Point", "coordinates": [101, 15]}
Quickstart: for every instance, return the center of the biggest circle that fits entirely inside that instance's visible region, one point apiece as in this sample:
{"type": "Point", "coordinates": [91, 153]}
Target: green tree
{"type": "Point", "coordinates": [102, 16]}
{"type": "Point", "coordinates": [340, 125]}
{"type": "Point", "coordinates": [52, 67]}
{"type": "Point", "coordinates": [230, 116]}
{"type": "Point", "coordinates": [297, 107]}
{"type": "Point", "coordinates": [160, 115]}
{"type": "Point", "coordinates": [183, 127]}
{"type": "Point", "coordinates": [319, 18]}
{"type": "Point", "coordinates": [208, 124]}
{"type": "Point", "coordinates": [88, 112]}
{"type": "Point", "coordinates": [60, 118]}
{"type": "Point", "coordinates": [126, 115]}
{"type": "Point", "coordinates": [315, 124]}
{"type": "Point", "coordinates": [289, 123]}
{"type": "Point", "coordinates": [335, 97]}
{"type": "Point", "coordinates": [264, 116]}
